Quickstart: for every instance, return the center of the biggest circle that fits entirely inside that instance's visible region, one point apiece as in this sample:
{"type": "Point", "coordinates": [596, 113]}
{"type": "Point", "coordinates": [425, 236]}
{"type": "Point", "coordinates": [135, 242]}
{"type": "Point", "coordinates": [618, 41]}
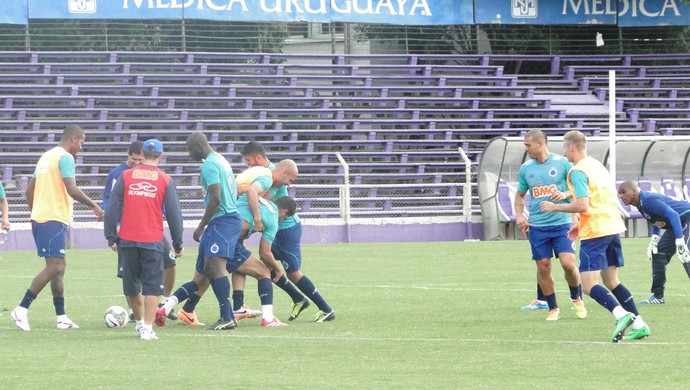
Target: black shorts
{"type": "Point", "coordinates": [169, 259]}
{"type": "Point", "coordinates": [142, 271]}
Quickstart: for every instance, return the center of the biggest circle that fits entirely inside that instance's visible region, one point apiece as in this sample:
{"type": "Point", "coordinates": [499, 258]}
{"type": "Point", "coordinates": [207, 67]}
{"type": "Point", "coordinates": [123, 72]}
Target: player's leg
{"type": "Point", "coordinates": [253, 267]}
{"type": "Point", "coordinates": [131, 283]}
{"type": "Point", "coordinates": [667, 248]}
{"type": "Point", "coordinates": [221, 237]}
{"type": "Point", "coordinates": [565, 250]}
{"type": "Point", "coordinates": [151, 276]}
{"type": "Point", "coordinates": [169, 274]}
{"type": "Point", "coordinates": [593, 263]}
{"type": "Point", "coordinates": [50, 238]}
{"type": "Point", "coordinates": [541, 243]}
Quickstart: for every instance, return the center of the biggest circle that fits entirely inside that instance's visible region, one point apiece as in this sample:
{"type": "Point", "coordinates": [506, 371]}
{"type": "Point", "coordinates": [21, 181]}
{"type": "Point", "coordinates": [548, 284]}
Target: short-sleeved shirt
{"type": "Point", "coordinates": [277, 193]}
{"type": "Point", "coordinates": [217, 170]}
{"type": "Point", "coordinates": [51, 201]}
{"type": "Point", "coordinates": [542, 180]}
{"type": "Point", "coordinates": [269, 217]}
{"type": "Point", "coordinates": [262, 176]}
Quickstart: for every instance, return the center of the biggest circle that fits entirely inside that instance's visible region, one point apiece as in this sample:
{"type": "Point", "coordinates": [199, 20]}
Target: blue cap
{"type": "Point", "coordinates": [153, 145]}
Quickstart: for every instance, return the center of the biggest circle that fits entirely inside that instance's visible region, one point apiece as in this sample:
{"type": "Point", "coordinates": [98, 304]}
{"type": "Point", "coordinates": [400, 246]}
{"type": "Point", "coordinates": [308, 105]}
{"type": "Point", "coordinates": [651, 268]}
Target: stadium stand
{"type": "Point", "coordinates": [397, 120]}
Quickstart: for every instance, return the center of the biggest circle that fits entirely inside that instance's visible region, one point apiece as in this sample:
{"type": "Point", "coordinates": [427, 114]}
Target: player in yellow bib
{"type": "Point", "coordinates": [599, 229]}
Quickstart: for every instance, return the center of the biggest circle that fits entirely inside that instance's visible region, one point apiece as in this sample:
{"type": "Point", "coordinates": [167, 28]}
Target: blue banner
{"type": "Point", "coordinates": [546, 11]}
{"type": "Point", "coordinates": [13, 12]}
{"type": "Point", "coordinates": [638, 13]}
{"type": "Point", "coordinates": [429, 12]}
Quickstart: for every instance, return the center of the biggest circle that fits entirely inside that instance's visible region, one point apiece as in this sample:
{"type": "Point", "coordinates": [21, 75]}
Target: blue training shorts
{"type": "Point", "coordinates": [143, 271]}
{"type": "Point", "coordinates": [600, 253]}
{"type": "Point", "coordinates": [219, 239]}
{"type": "Point", "coordinates": [241, 255]}
{"type": "Point", "coordinates": [286, 247]}
{"type": "Point", "coordinates": [550, 241]}
{"type": "Point", "coordinates": [169, 259]}
{"type": "Point", "coordinates": [50, 238]}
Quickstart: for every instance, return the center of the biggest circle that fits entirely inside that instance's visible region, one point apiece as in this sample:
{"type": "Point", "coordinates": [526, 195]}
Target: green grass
{"type": "Point", "coordinates": [418, 315]}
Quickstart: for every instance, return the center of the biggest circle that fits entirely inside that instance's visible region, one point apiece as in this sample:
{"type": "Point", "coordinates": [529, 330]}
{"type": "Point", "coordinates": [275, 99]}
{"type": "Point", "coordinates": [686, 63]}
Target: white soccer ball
{"type": "Point", "coordinates": [116, 317]}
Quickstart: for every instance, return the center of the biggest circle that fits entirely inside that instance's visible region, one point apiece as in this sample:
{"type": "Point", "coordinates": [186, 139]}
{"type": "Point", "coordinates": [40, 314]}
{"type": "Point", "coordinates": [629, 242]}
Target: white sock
{"type": "Point", "coordinates": [170, 304]}
{"type": "Point", "coordinates": [62, 318]}
{"type": "Point", "coordinates": [164, 299]}
{"type": "Point", "coordinates": [267, 312]}
{"type": "Point", "coordinates": [638, 323]}
{"type": "Point", "coordinates": [619, 312]}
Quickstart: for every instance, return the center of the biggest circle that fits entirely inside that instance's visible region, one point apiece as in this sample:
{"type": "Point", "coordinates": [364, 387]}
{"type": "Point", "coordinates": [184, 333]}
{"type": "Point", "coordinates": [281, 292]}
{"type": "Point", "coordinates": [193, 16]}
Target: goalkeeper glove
{"type": "Point", "coordinates": [682, 250]}
{"type": "Point", "coordinates": [652, 248]}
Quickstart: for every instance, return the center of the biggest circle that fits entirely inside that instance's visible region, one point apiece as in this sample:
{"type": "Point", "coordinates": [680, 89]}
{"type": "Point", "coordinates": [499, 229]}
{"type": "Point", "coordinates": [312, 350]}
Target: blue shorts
{"type": "Point", "coordinates": [219, 239]}
{"type": "Point", "coordinates": [50, 238]}
{"type": "Point", "coordinates": [241, 255]}
{"type": "Point", "coordinates": [600, 253]}
{"type": "Point", "coordinates": [286, 247]}
{"type": "Point", "coordinates": [550, 241]}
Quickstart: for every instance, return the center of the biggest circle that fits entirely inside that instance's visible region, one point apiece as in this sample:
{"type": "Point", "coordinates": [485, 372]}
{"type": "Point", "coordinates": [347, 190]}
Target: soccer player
{"type": "Point", "coordinates": [135, 156]}
{"type": "Point", "coordinates": [4, 208]}
{"type": "Point", "coordinates": [286, 248]}
{"type": "Point", "coordinates": [245, 262]}
{"type": "Point", "coordinates": [139, 198]}
{"type": "Point", "coordinates": [544, 175]}
{"type": "Point", "coordinates": [665, 213]}
{"type": "Point", "coordinates": [218, 230]}
{"type": "Point", "coordinates": [599, 229]}
{"type": "Point", "coordinates": [50, 194]}
{"type": "Point", "coordinates": [255, 182]}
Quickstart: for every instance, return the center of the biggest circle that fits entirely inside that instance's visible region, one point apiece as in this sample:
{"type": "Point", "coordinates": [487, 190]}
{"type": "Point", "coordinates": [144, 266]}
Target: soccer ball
{"type": "Point", "coordinates": [116, 317]}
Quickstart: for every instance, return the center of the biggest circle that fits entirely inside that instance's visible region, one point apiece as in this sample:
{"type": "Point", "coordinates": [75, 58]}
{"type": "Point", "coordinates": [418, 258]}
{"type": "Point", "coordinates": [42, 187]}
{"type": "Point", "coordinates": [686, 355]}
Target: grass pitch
{"type": "Point", "coordinates": [418, 315]}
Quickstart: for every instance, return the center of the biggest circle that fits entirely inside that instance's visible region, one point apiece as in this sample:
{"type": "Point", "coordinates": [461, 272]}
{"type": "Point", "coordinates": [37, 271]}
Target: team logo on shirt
{"type": "Point", "coordinates": [553, 172]}
{"type": "Point", "coordinates": [540, 191]}
{"type": "Point", "coordinates": [659, 224]}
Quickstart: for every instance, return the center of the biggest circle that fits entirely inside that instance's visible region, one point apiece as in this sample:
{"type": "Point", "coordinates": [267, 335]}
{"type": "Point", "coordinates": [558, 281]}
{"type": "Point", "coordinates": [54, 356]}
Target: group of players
{"type": "Point", "coordinates": [573, 197]}
{"type": "Point", "coordinates": [138, 197]}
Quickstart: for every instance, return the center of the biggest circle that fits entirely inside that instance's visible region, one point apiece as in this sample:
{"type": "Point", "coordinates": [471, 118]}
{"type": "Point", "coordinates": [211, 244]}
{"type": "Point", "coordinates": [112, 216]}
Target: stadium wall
{"type": "Point", "coordinates": [90, 236]}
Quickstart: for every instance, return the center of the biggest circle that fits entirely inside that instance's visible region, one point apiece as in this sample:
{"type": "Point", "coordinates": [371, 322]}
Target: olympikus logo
{"type": "Point", "coordinates": [81, 6]}
{"type": "Point", "coordinates": [524, 9]}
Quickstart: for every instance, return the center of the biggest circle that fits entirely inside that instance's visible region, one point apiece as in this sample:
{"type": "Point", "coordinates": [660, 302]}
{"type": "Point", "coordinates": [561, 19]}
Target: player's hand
{"type": "Point", "coordinates": [277, 274]}
{"type": "Point", "coordinates": [682, 250]}
{"type": "Point", "coordinates": [98, 211]}
{"type": "Point", "coordinates": [258, 226]}
{"type": "Point", "coordinates": [179, 254]}
{"type": "Point", "coordinates": [547, 206]}
{"type": "Point", "coordinates": [197, 233]}
{"type": "Point", "coordinates": [574, 232]}
{"type": "Point", "coordinates": [6, 226]}
{"type": "Point", "coordinates": [557, 196]}
{"type": "Point", "coordinates": [653, 247]}
{"type": "Point", "coordinates": [114, 247]}
{"type": "Point", "coordinates": [522, 224]}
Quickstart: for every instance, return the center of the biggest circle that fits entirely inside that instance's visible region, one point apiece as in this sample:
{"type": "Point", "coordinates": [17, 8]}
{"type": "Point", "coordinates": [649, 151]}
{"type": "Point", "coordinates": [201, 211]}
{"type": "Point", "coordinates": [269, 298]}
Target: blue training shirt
{"type": "Point", "coordinates": [542, 180]}
{"type": "Point", "coordinates": [110, 181]}
{"type": "Point", "coordinates": [664, 212]}
{"type": "Point", "coordinates": [217, 170]}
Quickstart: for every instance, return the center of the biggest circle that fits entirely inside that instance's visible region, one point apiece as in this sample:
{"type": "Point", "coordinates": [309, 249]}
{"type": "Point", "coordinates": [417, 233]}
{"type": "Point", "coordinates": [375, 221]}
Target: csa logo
{"type": "Point", "coordinates": [82, 6]}
{"type": "Point", "coordinates": [524, 9]}
{"type": "Point", "coordinates": [215, 248]}
{"type": "Point", "coordinates": [553, 172]}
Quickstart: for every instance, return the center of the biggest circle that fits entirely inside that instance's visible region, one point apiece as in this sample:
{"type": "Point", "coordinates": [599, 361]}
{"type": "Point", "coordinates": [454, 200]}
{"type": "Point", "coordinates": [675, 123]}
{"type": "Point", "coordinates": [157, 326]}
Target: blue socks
{"type": "Point", "coordinates": [575, 292]}
{"type": "Point", "coordinates": [221, 287]}
{"type": "Point", "coordinates": [551, 300]}
{"type": "Point", "coordinates": [603, 297]}
{"type": "Point", "coordinates": [540, 294]}
{"type": "Point", "coordinates": [191, 303]}
{"type": "Point", "coordinates": [237, 299]}
{"type": "Point", "coordinates": [185, 291]}
{"type": "Point", "coordinates": [265, 291]}
{"type": "Point", "coordinates": [312, 293]}
{"type": "Point", "coordinates": [59, 303]}
{"type": "Point", "coordinates": [28, 299]}
{"type": "Point", "coordinates": [290, 289]}
{"type": "Point", "coordinates": [625, 298]}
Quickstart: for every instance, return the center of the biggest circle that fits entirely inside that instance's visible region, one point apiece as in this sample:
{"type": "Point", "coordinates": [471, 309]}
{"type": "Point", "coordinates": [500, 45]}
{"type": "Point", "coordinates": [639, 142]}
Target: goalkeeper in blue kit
{"type": "Point", "coordinates": [666, 213]}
